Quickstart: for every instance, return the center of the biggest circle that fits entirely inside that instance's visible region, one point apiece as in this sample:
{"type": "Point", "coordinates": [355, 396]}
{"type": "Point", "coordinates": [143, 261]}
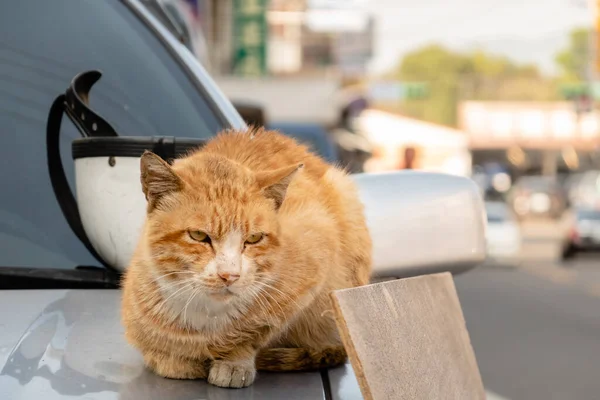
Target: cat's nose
{"type": "Point", "coordinates": [228, 278]}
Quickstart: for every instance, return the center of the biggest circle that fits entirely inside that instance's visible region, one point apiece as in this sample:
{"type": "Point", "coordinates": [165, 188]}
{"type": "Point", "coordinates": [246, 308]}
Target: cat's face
{"type": "Point", "coordinates": [212, 225]}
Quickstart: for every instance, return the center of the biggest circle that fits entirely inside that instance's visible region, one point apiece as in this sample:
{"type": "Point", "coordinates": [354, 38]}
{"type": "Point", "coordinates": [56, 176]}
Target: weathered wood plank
{"type": "Point", "coordinates": [407, 339]}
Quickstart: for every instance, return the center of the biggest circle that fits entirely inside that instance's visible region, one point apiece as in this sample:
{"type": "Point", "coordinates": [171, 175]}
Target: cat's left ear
{"type": "Point", "coordinates": [274, 183]}
{"type": "Point", "coordinates": [157, 178]}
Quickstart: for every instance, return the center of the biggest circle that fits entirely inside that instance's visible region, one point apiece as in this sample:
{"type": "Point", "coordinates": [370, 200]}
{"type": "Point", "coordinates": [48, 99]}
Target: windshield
{"type": "Point", "coordinates": [143, 91]}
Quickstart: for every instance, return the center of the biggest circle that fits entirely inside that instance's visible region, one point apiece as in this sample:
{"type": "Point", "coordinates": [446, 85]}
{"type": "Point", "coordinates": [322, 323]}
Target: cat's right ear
{"type": "Point", "coordinates": [158, 179]}
{"type": "Point", "coordinates": [274, 183]}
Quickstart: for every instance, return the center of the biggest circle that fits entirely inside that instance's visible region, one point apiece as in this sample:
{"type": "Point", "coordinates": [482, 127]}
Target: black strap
{"type": "Point", "coordinates": [58, 178]}
{"type": "Point", "coordinates": [88, 122]}
{"type": "Point", "coordinates": [165, 148]}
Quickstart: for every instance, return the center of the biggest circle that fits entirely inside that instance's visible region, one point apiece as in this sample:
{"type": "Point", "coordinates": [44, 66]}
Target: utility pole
{"type": "Point", "coordinates": [594, 42]}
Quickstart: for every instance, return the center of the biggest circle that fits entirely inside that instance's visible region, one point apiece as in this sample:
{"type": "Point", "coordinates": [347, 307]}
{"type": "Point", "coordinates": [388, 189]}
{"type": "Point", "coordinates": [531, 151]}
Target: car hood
{"type": "Point", "coordinates": [57, 344]}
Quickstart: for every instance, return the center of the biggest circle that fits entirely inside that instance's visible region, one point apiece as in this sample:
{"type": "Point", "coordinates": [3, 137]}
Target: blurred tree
{"type": "Point", "coordinates": [453, 76]}
{"type": "Point", "coordinates": [574, 82]}
{"type": "Point", "coordinates": [442, 70]}
{"type": "Point", "coordinates": [574, 60]}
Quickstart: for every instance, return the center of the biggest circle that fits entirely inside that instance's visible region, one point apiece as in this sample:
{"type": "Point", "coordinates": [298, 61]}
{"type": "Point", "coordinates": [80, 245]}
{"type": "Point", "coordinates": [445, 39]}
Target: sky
{"type": "Point", "coordinates": [525, 30]}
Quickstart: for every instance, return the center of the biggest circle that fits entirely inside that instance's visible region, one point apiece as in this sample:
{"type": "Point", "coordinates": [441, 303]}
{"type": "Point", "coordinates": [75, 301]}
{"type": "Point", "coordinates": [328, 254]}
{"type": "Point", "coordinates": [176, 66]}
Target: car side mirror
{"type": "Point", "coordinates": [423, 222]}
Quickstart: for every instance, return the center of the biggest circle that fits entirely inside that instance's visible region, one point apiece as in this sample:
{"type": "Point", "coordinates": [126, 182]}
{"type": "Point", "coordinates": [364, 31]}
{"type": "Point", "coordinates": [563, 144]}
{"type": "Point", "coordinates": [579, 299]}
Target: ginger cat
{"type": "Point", "coordinates": [242, 244]}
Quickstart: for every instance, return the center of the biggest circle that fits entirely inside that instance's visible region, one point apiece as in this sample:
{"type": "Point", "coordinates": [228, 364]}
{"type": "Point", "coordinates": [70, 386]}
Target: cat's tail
{"type": "Point", "coordinates": [299, 359]}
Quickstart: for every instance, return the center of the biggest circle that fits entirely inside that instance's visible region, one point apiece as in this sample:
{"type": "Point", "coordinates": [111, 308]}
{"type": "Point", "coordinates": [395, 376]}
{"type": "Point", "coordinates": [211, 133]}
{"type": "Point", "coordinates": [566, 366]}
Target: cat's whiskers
{"type": "Point", "coordinates": [192, 296]}
{"type": "Point", "coordinates": [264, 309]}
{"type": "Point", "coordinates": [208, 314]}
{"type": "Point", "coordinates": [262, 292]}
{"type": "Point", "coordinates": [253, 299]}
{"type": "Point", "coordinates": [173, 273]}
{"type": "Point", "coordinates": [165, 284]}
{"type": "Point", "coordinates": [187, 286]}
{"type": "Point", "coordinates": [308, 294]}
{"type": "Point", "coordinates": [264, 305]}
{"type": "Point", "coordinates": [167, 289]}
{"type": "Point", "coordinates": [147, 296]}
{"type": "Point", "coordinates": [283, 294]}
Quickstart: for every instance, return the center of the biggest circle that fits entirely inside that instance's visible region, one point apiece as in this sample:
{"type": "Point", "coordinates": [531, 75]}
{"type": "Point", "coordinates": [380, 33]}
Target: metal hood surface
{"type": "Point", "coordinates": [69, 344]}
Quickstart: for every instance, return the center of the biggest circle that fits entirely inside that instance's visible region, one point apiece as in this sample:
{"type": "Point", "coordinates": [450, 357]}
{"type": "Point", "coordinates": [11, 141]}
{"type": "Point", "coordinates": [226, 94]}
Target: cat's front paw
{"type": "Point", "coordinates": [232, 374]}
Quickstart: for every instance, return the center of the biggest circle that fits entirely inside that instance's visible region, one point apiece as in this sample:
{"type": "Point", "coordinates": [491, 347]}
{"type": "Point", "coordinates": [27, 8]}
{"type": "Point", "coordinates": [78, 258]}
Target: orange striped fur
{"type": "Point", "coordinates": [220, 308]}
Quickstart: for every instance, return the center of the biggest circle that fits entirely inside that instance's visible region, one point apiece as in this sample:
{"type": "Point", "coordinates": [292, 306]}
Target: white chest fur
{"type": "Point", "coordinates": [197, 311]}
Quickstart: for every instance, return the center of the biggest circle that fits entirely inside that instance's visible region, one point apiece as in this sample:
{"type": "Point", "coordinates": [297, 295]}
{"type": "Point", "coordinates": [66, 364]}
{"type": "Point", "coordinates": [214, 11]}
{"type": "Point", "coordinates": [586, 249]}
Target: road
{"type": "Point", "coordinates": [536, 328]}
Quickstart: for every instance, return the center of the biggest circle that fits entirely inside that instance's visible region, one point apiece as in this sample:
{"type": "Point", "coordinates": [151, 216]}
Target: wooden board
{"type": "Point", "coordinates": [407, 339]}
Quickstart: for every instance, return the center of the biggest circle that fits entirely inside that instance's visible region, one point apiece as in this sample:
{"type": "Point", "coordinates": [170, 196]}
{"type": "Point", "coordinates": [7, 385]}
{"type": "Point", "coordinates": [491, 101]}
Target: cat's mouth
{"type": "Point", "coordinates": [222, 294]}
{"type": "Point", "coordinates": [225, 293]}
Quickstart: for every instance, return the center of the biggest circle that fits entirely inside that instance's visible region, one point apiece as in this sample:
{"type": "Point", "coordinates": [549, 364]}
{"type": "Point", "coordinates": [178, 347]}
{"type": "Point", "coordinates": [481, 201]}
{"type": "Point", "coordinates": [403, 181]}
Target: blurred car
{"type": "Point", "coordinates": [571, 184]}
{"type": "Point", "coordinates": [583, 232]}
{"type": "Point", "coordinates": [584, 189]}
{"type": "Point", "coordinates": [503, 234]}
{"type": "Point", "coordinates": [538, 196]}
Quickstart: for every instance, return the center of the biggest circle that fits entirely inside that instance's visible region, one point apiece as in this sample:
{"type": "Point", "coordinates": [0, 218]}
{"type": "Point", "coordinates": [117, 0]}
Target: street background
{"type": "Point", "coordinates": [535, 327]}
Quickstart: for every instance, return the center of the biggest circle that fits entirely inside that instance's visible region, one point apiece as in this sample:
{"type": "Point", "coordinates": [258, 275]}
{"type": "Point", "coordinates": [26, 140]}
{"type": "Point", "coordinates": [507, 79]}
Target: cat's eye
{"type": "Point", "coordinates": [199, 236]}
{"type": "Point", "coordinates": [254, 238]}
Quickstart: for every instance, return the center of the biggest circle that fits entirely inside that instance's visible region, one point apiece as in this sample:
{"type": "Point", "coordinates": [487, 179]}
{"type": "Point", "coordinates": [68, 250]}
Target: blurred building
{"type": "Point", "coordinates": [316, 40]}
{"type": "Point", "coordinates": [295, 57]}
{"type": "Point", "coordinates": [406, 143]}
{"type": "Point", "coordinates": [532, 137]}
{"type": "Point", "coordinates": [282, 37]}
